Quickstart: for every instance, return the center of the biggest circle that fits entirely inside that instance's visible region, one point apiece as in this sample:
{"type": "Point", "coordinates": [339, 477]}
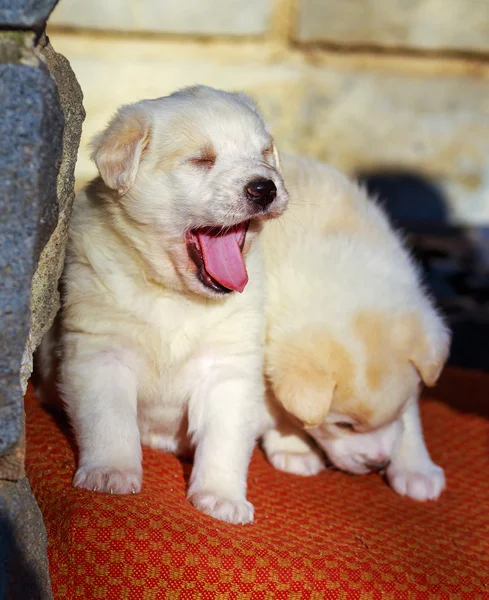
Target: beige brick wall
{"type": "Point", "coordinates": [418, 24]}
{"type": "Point", "coordinates": [363, 84]}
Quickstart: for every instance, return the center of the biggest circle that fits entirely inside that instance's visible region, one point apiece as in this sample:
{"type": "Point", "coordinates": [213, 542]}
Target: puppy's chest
{"type": "Point", "coordinates": [181, 348]}
{"type": "Point", "coordinates": [174, 371]}
{"type": "Point", "coordinates": [177, 349]}
{"type": "Point", "coordinates": [173, 333]}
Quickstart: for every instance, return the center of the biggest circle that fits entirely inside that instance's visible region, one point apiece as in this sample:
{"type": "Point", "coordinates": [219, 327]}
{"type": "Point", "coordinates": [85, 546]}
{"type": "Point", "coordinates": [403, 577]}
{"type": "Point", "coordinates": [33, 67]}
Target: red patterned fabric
{"type": "Point", "coordinates": [328, 536]}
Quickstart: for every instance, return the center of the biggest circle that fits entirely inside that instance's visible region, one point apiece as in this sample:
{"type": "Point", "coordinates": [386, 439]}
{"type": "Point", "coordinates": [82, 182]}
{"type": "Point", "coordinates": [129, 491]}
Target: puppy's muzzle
{"type": "Point", "coordinates": [378, 466]}
{"type": "Point", "coordinates": [261, 191]}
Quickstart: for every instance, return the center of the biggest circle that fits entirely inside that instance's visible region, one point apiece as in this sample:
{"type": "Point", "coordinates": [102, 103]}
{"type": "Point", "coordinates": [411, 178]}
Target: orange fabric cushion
{"type": "Point", "coordinates": [328, 536]}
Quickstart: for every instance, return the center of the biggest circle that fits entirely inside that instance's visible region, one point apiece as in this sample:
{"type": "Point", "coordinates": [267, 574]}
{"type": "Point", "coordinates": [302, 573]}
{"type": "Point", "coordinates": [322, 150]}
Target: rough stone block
{"type": "Point", "coordinates": [31, 125]}
{"type": "Point", "coordinates": [24, 570]}
{"type": "Point", "coordinates": [45, 300]}
{"type": "Point", "coordinates": [25, 14]}
{"type": "Point", "coordinates": [420, 24]}
{"type": "Point", "coordinates": [201, 17]}
{"type": "Point", "coordinates": [40, 125]}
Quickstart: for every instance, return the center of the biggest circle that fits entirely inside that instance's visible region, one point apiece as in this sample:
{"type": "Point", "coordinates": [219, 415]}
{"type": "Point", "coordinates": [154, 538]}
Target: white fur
{"type": "Point", "coordinates": [148, 353]}
{"type": "Point", "coordinates": [330, 258]}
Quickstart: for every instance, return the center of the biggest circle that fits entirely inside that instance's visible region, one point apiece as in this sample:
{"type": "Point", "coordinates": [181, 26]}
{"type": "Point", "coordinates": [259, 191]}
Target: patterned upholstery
{"type": "Point", "coordinates": [329, 536]}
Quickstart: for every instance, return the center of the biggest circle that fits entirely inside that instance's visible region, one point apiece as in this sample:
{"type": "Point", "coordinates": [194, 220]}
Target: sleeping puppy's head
{"type": "Point", "coordinates": [350, 391]}
{"type": "Point", "coordinates": [191, 177]}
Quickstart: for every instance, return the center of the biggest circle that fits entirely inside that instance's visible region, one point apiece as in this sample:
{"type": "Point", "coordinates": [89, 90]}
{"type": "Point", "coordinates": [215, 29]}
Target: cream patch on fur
{"type": "Point", "coordinates": [350, 331]}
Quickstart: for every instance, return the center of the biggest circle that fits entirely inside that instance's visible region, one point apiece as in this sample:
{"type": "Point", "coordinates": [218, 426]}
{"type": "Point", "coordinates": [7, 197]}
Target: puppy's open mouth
{"type": "Point", "coordinates": [218, 255]}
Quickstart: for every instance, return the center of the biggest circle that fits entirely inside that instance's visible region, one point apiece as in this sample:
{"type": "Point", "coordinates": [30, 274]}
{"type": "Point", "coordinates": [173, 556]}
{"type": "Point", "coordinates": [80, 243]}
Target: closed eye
{"type": "Point", "coordinates": [205, 162]}
{"type": "Point", "coordinates": [345, 425]}
{"type": "Point", "coordinates": [206, 158]}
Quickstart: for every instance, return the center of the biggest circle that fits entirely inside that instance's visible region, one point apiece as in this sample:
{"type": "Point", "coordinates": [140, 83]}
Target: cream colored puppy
{"type": "Point", "coordinates": [162, 322]}
{"type": "Point", "coordinates": [351, 336]}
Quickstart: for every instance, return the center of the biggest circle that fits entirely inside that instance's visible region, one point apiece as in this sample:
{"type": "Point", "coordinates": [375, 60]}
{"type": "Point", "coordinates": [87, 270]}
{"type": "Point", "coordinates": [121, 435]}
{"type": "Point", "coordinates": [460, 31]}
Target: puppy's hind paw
{"type": "Point", "coordinates": [239, 512]}
{"type": "Point", "coordinates": [108, 480]}
{"type": "Point", "coordinates": [305, 464]}
{"type": "Point", "coordinates": [423, 484]}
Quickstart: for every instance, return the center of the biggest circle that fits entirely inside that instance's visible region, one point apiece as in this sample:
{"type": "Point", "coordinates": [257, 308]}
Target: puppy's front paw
{"type": "Point", "coordinates": [308, 463]}
{"type": "Point", "coordinates": [239, 512]}
{"type": "Point", "coordinates": [108, 480]}
{"type": "Point", "coordinates": [422, 484]}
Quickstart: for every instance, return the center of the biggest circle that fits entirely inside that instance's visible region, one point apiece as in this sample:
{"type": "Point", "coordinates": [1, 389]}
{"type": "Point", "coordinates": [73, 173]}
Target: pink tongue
{"type": "Point", "coordinates": [222, 257]}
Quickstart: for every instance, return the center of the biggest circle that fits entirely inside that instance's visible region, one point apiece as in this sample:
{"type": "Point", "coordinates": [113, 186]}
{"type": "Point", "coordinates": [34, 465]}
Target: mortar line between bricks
{"type": "Point", "coordinates": [157, 36]}
{"type": "Point", "coordinates": [469, 56]}
{"type": "Point", "coordinates": [283, 18]}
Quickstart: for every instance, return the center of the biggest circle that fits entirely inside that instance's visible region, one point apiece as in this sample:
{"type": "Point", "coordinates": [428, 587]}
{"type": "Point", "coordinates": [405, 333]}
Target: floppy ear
{"type": "Point", "coordinates": [430, 353]}
{"type": "Point", "coordinates": [117, 151]}
{"type": "Point", "coordinates": [276, 156]}
{"type": "Point", "coordinates": [305, 392]}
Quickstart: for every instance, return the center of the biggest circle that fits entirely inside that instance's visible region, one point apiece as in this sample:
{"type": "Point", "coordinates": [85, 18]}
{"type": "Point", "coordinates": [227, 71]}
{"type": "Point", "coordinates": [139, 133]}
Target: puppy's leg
{"type": "Point", "coordinates": [100, 396]}
{"type": "Point", "coordinates": [411, 471]}
{"type": "Point", "coordinates": [224, 418]}
{"type": "Point", "coordinates": [290, 450]}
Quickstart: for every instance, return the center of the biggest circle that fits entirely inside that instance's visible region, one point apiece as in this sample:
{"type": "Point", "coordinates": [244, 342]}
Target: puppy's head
{"type": "Point", "coordinates": [350, 394]}
{"type": "Point", "coordinates": [193, 176]}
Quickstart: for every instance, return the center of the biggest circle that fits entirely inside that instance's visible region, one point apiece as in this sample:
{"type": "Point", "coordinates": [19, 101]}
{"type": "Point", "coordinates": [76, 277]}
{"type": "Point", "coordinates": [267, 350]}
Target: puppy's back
{"type": "Point", "coordinates": [334, 250]}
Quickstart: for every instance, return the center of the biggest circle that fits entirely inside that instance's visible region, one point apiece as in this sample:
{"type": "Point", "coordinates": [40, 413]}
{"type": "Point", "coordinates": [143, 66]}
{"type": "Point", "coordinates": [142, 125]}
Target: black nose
{"type": "Point", "coordinates": [377, 466]}
{"type": "Point", "coordinates": [261, 191]}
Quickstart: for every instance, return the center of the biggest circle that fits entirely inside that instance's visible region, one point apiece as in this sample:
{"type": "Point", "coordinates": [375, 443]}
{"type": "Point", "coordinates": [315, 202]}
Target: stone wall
{"type": "Point", "coordinates": [365, 84]}
{"type": "Point", "coordinates": [41, 114]}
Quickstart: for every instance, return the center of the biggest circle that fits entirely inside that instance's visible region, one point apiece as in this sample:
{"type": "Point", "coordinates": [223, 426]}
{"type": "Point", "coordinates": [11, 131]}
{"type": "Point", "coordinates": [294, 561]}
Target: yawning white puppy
{"type": "Point", "coordinates": [162, 321]}
{"type": "Point", "coordinates": [351, 334]}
